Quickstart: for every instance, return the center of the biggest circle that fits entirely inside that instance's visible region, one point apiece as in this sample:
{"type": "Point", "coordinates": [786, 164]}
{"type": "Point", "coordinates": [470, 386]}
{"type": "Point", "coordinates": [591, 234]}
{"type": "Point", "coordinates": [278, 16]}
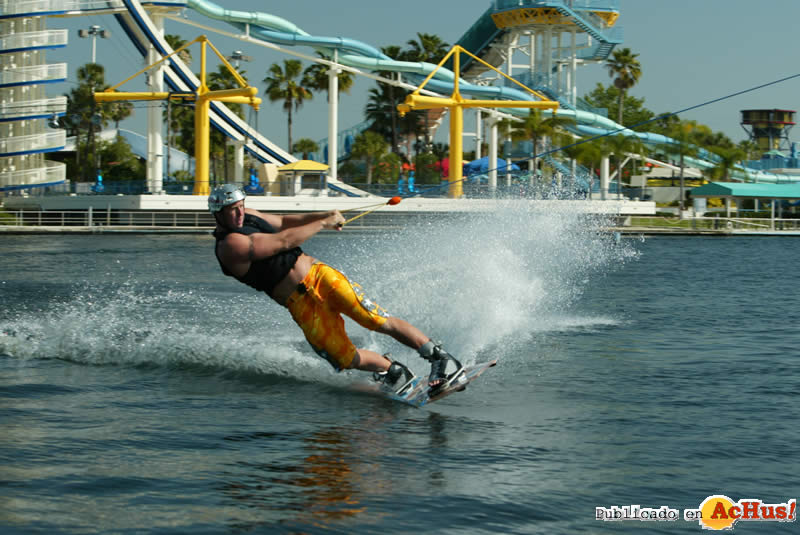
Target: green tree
{"type": "Point", "coordinates": [381, 110]}
{"type": "Point", "coordinates": [179, 115]}
{"type": "Point", "coordinates": [426, 171]}
{"type": "Point", "coordinates": [84, 115]}
{"type": "Point", "coordinates": [282, 86]}
{"type": "Point", "coordinates": [316, 77]}
{"type": "Point", "coordinates": [589, 153]}
{"type": "Point", "coordinates": [729, 157]}
{"type": "Point", "coordinates": [750, 149]}
{"type": "Point", "coordinates": [369, 146]}
{"type": "Point", "coordinates": [664, 123]}
{"type": "Point", "coordinates": [626, 71]}
{"type": "Point", "coordinates": [634, 113]}
{"type": "Point", "coordinates": [119, 162]}
{"type": "Point", "coordinates": [119, 111]}
{"type": "Point", "coordinates": [427, 47]}
{"type": "Point", "coordinates": [222, 156]}
{"type": "Point", "coordinates": [175, 41]}
{"type": "Point", "coordinates": [388, 169]}
{"type": "Point", "coordinates": [536, 128]}
{"type": "Point", "coordinates": [305, 146]}
{"type": "Point", "coordinates": [683, 146]}
{"type": "Point", "coordinates": [620, 145]}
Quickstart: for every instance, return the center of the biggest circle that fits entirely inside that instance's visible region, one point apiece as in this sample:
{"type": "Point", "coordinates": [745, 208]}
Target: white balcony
{"type": "Point", "coordinates": [35, 143]}
{"type": "Point", "coordinates": [33, 40]}
{"type": "Point", "coordinates": [35, 108]}
{"type": "Point", "coordinates": [34, 74]}
{"type": "Point", "coordinates": [52, 172]}
{"type": "Point", "coordinates": [38, 7]}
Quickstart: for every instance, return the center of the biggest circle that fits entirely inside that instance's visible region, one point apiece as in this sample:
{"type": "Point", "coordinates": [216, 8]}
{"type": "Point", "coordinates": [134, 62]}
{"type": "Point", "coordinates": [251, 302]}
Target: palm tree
{"type": "Point", "coordinates": [382, 105]}
{"type": "Point", "coordinates": [119, 111]}
{"type": "Point", "coordinates": [369, 147]}
{"type": "Point", "coordinates": [427, 47]}
{"type": "Point", "coordinates": [316, 77]}
{"type": "Point", "coordinates": [283, 87]}
{"type": "Point", "coordinates": [728, 158]}
{"type": "Point", "coordinates": [620, 145]}
{"type": "Point", "coordinates": [223, 78]}
{"type": "Point", "coordinates": [84, 114]}
{"type": "Point", "coordinates": [627, 70]}
{"type": "Point", "coordinates": [537, 127]}
{"type": "Point", "coordinates": [588, 152]}
{"type": "Point", "coordinates": [750, 148]}
{"type": "Point", "coordinates": [182, 119]}
{"type": "Point", "coordinates": [381, 110]}
{"type": "Point", "coordinates": [683, 135]}
{"type": "Point", "coordinates": [305, 146]}
{"type": "Point", "coordinates": [176, 42]}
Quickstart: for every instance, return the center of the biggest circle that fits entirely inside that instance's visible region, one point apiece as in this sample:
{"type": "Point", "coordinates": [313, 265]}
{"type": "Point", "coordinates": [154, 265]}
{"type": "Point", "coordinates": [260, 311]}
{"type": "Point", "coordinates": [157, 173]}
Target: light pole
{"type": "Point", "coordinates": [93, 32]}
{"type": "Point", "coordinates": [237, 57]}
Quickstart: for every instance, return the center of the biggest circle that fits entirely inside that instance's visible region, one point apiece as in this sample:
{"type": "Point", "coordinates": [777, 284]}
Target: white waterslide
{"type": "Point", "coordinates": [359, 55]}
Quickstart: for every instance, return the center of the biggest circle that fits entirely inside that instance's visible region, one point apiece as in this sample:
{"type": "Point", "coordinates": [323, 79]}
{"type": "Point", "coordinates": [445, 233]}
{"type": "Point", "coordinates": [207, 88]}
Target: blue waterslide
{"type": "Point", "coordinates": [356, 54]}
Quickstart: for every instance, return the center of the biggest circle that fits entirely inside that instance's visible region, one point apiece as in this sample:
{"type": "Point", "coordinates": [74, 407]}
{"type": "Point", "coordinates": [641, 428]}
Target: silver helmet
{"type": "Point", "coordinates": [223, 196]}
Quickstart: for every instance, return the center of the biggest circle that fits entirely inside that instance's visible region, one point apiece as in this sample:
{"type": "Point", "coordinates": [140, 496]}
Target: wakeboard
{"type": "Point", "coordinates": [417, 393]}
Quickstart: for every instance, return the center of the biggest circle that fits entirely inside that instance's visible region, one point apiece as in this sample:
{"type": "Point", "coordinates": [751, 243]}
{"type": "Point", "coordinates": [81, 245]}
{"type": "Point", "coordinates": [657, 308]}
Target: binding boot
{"type": "Point", "coordinates": [397, 375]}
{"type": "Point", "coordinates": [438, 357]}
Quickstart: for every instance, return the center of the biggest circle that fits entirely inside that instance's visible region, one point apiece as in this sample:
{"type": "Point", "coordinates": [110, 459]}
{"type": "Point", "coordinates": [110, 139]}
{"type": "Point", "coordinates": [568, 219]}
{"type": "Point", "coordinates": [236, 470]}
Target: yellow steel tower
{"type": "Point", "coordinates": [245, 94]}
{"type": "Point", "coordinates": [456, 104]}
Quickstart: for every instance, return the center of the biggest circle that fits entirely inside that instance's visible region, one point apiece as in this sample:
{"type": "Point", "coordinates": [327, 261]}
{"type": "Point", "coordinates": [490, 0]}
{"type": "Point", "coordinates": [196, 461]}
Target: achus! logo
{"type": "Point", "coordinates": [719, 512]}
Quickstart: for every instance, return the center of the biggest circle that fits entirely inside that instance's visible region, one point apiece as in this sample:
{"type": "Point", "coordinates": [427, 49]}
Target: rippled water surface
{"type": "Point", "coordinates": [142, 391]}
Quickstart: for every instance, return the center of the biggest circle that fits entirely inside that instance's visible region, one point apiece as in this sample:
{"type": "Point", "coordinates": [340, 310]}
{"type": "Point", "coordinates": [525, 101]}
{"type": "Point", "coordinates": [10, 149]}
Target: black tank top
{"type": "Point", "coordinates": [264, 274]}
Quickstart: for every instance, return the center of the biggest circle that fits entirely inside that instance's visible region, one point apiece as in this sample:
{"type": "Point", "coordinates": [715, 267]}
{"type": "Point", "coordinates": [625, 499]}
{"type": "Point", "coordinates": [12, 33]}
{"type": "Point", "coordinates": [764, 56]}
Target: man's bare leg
{"type": "Point", "coordinates": [407, 334]}
{"type": "Point", "coordinates": [404, 332]}
{"type": "Point", "coordinates": [369, 361]}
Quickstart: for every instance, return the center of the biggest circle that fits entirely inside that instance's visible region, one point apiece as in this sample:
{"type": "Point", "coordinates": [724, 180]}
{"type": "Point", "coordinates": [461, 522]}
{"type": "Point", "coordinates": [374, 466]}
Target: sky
{"type": "Point", "coordinates": [691, 52]}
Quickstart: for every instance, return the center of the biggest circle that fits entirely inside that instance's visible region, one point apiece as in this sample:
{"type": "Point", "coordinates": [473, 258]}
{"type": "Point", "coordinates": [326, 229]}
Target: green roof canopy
{"type": "Point", "coordinates": [750, 191]}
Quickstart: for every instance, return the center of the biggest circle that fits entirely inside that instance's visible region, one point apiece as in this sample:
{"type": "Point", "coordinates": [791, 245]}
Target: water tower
{"type": "Point", "coordinates": [769, 129]}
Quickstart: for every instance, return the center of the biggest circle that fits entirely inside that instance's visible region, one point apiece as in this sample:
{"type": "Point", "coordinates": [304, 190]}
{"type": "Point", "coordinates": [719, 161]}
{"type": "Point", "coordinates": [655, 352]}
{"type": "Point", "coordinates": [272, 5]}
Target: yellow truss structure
{"type": "Point", "coordinates": [526, 16]}
{"type": "Point", "coordinates": [456, 104]}
{"type": "Point", "coordinates": [245, 94]}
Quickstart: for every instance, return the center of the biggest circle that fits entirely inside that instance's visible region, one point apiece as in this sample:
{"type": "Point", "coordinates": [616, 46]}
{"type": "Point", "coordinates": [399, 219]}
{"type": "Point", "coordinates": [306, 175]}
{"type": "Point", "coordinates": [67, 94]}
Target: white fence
{"type": "Point", "coordinates": [34, 39]}
{"type": "Point", "coordinates": [52, 172]}
{"type": "Point", "coordinates": [21, 110]}
{"type": "Point", "coordinates": [35, 73]}
{"type": "Point", "coordinates": [109, 219]}
{"type": "Point", "coordinates": [32, 143]}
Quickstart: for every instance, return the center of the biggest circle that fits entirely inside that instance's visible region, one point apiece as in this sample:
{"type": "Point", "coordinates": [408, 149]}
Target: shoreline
{"type": "Point", "coordinates": [626, 232]}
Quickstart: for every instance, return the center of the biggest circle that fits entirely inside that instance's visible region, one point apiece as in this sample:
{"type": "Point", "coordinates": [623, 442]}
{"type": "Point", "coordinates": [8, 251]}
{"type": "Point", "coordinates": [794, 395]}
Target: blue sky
{"type": "Point", "coordinates": [691, 51]}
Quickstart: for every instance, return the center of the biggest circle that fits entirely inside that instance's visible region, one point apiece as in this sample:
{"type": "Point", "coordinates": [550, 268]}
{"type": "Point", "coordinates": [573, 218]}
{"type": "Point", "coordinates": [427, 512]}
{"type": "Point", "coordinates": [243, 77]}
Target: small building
{"type": "Point", "coordinates": [733, 192]}
{"type": "Point", "coordinates": [303, 177]}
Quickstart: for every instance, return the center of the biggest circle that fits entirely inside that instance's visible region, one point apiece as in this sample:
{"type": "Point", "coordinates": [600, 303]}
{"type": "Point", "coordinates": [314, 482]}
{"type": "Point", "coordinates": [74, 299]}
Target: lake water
{"type": "Point", "coordinates": [143, 392]}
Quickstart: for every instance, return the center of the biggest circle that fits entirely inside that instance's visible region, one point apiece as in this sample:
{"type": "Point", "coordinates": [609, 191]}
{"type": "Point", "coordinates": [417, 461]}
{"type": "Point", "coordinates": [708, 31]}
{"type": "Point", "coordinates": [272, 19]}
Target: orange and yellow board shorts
{"type": "Point", "coordinates": [317, 307]}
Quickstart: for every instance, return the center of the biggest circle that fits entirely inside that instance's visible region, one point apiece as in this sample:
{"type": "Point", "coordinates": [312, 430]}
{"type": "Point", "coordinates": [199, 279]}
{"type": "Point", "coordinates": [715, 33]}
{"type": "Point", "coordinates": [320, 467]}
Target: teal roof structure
{"type": "Point", "coordinates": [751, 191]}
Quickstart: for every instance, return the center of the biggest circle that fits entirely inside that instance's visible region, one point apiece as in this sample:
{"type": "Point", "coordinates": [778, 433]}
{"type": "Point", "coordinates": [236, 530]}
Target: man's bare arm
{"type": "Point", "coordinates": [241, 249]}
{"type": "Point", "coordinates": [287, 221]}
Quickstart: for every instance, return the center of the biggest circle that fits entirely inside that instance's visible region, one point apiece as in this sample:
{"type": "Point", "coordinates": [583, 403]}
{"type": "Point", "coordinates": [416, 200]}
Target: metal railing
{"type": "Point", "coordinates": [751, 224]}
{"type": "Point", "coordinates": [719, 224]}
{"type": "Point", "coordinates": [33, 74]}
{"type": "Point", "coordinates": [37, 7]}
{"type": "Point", "coordinates": [50, 173]}
{"type": "Point", "coordinates": [575, 4]}
{"type": "Point", "coordinates": [29, 40]}
{"type": "Point", "coordinates": [11, 110]}
{"type": "Point", "coordinates": [109, 219]}
{"type": "Point", "coordinates": [33, 143]}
